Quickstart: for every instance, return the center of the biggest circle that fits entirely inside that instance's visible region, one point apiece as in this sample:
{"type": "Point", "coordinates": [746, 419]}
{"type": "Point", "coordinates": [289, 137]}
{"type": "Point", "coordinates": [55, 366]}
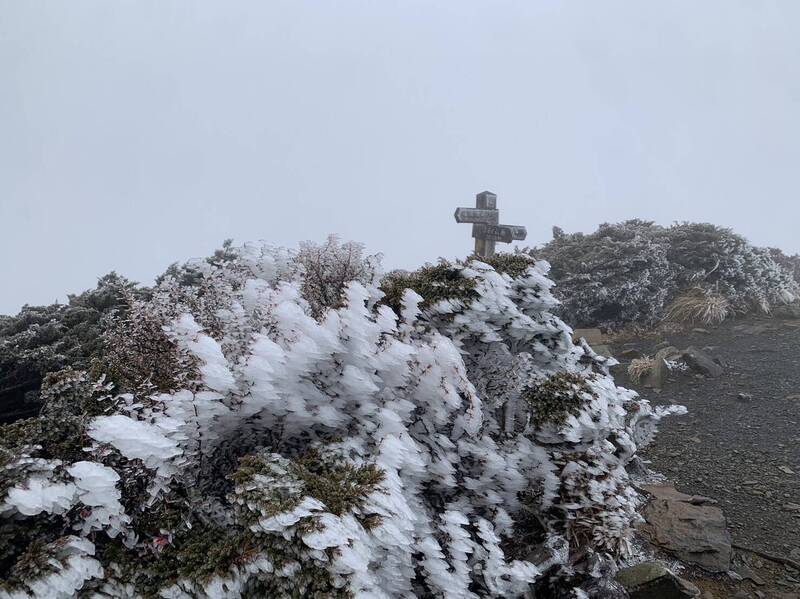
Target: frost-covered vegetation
{"type": "Point", "coordinates": [272, 423]}
{"type": "Point", "coordinates": [633, 271]}
{"type": "Point", "coordinates": [42, 339]}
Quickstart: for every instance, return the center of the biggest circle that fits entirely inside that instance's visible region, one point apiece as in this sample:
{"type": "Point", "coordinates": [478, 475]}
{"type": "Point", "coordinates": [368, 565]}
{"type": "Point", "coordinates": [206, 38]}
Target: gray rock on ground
{"type": "Point", "coordinates": [688, 527]}
{"type": "Point", "coordinates": [651, 580]}
{"type": "Point", "coordinates": [658, 374]}
{"type": "Point", "coordinates": [702, 363]}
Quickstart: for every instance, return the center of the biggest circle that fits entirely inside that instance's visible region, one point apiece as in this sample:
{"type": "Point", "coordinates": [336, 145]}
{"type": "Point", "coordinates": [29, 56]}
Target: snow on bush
{"type": "Point", "coordinates": [440, 436]}
{"type": "Point", "coordinates": [632, 271]}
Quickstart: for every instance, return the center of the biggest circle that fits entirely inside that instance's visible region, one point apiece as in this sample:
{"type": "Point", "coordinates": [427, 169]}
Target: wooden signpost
{"type": "Point", "coordinates": [486, 230]}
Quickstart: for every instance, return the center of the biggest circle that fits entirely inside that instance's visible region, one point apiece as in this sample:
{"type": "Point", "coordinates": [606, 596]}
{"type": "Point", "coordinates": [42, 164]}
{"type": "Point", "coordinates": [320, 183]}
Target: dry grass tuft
{"type": "Point", "coordinates": [640, 368]}
{"type": "Point", "coordinates": [700, 305]}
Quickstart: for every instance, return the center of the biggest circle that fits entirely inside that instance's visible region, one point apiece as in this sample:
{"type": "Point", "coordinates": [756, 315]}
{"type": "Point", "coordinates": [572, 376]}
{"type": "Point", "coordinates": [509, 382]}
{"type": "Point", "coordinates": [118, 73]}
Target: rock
{"type": "Point", "coordinates": [602, 350]}
{"type": "Point", "coordinates": [651, 580]}
{"type": "Point", "coordinates": [670, 353]}
{"type": "Point", "coordinates": [687, 527]}
{"type": "Point", "coordinates": [791, 507]}
{"type": "Point", "coordinates": [658, 374]}
{"type": "Point", "coordinates": [786, 469]}
{"type": "Point", "coordinates": [744, 397]}
{"type": "Point", "coordinates": [592, 336]}
{"type": "Point", "coordinates": [636, 468]}
{"type": "Point", "coordinates": [702, 331]}
{"type": "Point", "coordinates": [744, 572]}
{"type": "Point", "coordinates": [701, 362]}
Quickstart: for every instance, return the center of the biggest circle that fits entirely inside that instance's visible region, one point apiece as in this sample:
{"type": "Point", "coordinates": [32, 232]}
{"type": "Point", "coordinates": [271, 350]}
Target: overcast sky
{"type": "Point", "coordinates": [137, 133]}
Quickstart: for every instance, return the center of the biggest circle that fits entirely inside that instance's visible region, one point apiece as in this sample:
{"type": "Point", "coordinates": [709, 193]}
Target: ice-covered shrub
{"type": "Point", "coordinates": [42, 339]}
{"type": "Point", "coordinates": [329, 267]}
{"type": "Point", "coordinates": [390, 444]}
{"type": "Point", "coordinates": [630, 272]}
{"type": "Point", "coordinates": [790, 263]}
{"type": "Point", "coordinates": [620, 273]}
{"type": "Point", "coordinates": [716, 258]}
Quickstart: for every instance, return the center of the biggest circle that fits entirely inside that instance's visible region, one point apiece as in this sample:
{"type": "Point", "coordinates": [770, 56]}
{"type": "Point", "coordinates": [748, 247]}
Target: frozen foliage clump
{"type": "Point", "coordinates": [632, 271]}
{"type": "Point", "coordinates": [254, 436]}
{"type": "Point", "coordinates": [789, 263]}
{"type": "Point", "coordinates": [620, 273]}
{"type": "Point", "coordinates": [42, 339]}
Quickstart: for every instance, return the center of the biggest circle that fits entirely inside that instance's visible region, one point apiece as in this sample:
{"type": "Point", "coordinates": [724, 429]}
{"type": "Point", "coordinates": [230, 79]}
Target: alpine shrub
{"type": "Point", "coordinates": [266, 439]}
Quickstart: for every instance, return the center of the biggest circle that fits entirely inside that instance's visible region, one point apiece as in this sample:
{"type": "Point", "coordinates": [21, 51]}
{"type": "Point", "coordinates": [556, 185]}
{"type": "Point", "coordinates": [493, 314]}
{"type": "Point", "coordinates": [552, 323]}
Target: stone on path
{"type": "Point", "coordinates": [688, 527]}
{"type": "Point", "coordinates": [701, 362]}
{"type": "Point", "coordinates": [651, 580]}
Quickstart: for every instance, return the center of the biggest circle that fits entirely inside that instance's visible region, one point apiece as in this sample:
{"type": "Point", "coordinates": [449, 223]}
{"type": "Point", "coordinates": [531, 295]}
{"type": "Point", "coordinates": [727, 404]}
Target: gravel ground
{"type": "Point", "coordinates": [740, 441]}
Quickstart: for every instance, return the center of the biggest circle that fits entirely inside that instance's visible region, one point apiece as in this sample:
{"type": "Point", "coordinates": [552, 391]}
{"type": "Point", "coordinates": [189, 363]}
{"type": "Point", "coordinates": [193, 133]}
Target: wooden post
{"type": "Point", "coordinates": [486, 200]}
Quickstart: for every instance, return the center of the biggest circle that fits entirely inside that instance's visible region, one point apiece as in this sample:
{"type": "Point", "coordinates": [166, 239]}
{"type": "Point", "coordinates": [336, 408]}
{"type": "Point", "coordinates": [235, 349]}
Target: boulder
{"type": "Point", "coordinates": [593, 336]}
{"type": "Point", "coordinates": [658, 375]}
{"type": "Point", "coordinates": [651, 580]}
{"type": "Point", "coordinates": [688, 527]}
{"type": "Point", "coordinates": [701, 362]}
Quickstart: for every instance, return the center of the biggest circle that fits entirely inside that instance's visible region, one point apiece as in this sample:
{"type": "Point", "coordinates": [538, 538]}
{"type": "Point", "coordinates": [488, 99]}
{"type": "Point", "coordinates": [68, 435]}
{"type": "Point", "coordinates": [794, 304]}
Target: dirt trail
{"type": "Point", "coordinates": [740, 441]}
